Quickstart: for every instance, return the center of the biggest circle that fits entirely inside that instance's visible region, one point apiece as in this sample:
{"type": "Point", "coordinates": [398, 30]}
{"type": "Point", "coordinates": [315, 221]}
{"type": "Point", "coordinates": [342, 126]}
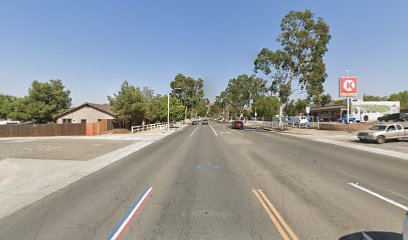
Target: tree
{"type": "Point", "coordinates": [257, 88]}
{"type": "Point", "coordinates": [402, 97]}
{"type": "Point", "coordinates": [6, 105]}
{"type": "Point", "coordinates": [44, 100]}
{"type": "Point", "coordinates": [189, 91]}
{"type": "Point", "coordinates": [224, 101]}
{"type": "Point", "coordinates": [176, 110]}
{"type": "Point", "coordinates": [128, 104]}
{"type": "Point", "coordinates": [148, 93]}
{"type": "Point", "coordinates": [373, 98]}
{"type": "Point", "coordinates": [203, 107]}
{"type": "Point", "coordinates": [238, 91]}
{"type": "Point", "coordinates": [290, 108]}
{"type": "Point", "coordinates": [296, 108]}
{"type": "Point", "coordinates": [243, 91]}
{"type": "Point", "coordinates": [299, 65]}
{"type": "Point", "coordinates": [325, 99]}
{"type": "Point", "coordinates": [156, 109]}
{"type": "Point", "coordinates": [267, 107]}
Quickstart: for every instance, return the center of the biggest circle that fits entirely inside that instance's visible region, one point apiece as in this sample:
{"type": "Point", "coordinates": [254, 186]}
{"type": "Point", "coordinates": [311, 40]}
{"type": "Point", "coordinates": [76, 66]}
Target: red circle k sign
{"type": "Point", "coordinates": [348, 87]}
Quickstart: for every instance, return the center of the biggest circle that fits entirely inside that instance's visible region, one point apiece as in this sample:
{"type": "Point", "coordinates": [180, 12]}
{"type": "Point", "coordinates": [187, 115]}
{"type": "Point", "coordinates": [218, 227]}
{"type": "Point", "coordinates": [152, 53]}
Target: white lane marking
{"type": "Point", "coordinates": [379, 196]}
{"type": "Point", "coordinates": [214, 131]}
{"type": "Point", "coordinates": [237, 132]}
{"type": "Point", "coordinates": [193, 132]}
{"type": "Point", "coordinates": [366, 237]}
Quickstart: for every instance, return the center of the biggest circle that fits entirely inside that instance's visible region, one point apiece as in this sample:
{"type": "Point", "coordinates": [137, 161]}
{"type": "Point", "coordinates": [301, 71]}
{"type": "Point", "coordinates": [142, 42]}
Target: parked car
{"type": "Point", "coordinates": [194, 122]}
{"type": "Point", "coordinates": [383, 132]}
{"type": "Point", "coordinates": [205, 122]}
{"type": "Point", "coordinates": [396, 117]}
{"type": "Point", "coordinates": [344, 119]}
{"type": "Point", "coordinates": [297, 120]}
{"type": "Point", "coordinates": [238, 125]}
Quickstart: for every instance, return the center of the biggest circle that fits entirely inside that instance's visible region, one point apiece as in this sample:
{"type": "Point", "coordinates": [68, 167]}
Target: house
{"type": "Point", "coordinates": [86, 113]}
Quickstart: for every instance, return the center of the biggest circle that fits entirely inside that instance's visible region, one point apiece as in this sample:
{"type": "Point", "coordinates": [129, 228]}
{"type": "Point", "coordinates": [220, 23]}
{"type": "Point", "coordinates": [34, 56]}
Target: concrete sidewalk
{"type": "Point", "coordinates": [397, 149]}
{"type": "Point", "coordinates": [24, 179]}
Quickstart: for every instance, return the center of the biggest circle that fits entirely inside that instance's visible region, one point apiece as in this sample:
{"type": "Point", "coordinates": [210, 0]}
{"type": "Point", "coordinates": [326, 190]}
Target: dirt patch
{"type": "Point", "coordinates": [60, 149]}
{"type": "Point", "coordinates": [120, 131]}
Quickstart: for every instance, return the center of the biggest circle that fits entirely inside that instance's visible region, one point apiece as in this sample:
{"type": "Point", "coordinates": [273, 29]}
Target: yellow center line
{"type": "Point", "coordinates": [281, 231]}
{"type": "Point", "coordinates": [283, 222]}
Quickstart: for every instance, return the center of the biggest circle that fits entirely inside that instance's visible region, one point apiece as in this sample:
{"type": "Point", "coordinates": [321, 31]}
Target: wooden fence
{"type": "Point", "coordinates": [37, 130]}
{"type": "Point", "coordinates": [71, 129]}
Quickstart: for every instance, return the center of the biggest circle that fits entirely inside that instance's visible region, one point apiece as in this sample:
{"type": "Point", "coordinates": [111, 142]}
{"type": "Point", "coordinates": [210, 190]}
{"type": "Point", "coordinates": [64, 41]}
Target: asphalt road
{"type": "Point", "coordinates": [205, 181]}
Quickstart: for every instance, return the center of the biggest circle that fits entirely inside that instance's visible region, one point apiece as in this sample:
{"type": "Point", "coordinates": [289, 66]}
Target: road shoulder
{"type": "Point", "coordinates": [26, 180]}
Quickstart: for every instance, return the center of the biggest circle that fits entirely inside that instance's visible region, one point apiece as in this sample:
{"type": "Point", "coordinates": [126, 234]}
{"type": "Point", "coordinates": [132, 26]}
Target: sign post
{"type": "Point", "coordinates": [307, 112]}
{"type": "Point", "coordinates": [348, 89]}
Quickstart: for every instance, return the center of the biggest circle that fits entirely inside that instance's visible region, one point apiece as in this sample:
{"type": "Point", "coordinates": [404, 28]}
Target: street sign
{"type": "Point", "coordinates": [307, 109]}
{"type": "Point", "coordinates": [348, 86]}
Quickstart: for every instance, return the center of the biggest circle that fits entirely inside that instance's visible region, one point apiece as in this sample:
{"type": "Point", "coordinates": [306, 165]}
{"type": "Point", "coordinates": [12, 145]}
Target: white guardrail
{"type": "Point", "coordinates": [162, 126]}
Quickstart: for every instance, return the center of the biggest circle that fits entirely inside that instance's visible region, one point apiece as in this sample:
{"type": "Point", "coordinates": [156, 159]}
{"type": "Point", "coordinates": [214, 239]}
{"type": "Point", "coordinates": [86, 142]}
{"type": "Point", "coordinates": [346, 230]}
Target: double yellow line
{"type": "Point", "coordinates": [278, 220]}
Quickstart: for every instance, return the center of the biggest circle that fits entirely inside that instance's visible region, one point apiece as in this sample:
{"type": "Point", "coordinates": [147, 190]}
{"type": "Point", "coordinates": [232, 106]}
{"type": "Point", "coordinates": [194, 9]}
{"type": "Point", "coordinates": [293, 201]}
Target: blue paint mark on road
{"type": "Point", "coordinates": [209, 166]}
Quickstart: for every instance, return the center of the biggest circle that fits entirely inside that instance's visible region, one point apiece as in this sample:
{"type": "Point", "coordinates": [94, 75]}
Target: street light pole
{"type": "Point", "coordinates": [168, 112]}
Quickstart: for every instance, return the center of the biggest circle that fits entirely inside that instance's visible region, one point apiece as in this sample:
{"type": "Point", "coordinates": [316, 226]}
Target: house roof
{"type": "Point", "coordinates": [100, 107]}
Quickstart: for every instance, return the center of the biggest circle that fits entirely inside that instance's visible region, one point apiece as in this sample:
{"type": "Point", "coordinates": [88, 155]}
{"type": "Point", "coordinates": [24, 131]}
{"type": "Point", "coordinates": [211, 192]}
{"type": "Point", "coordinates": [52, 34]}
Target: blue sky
{"type": "Point", "coordinates": [93, 46]}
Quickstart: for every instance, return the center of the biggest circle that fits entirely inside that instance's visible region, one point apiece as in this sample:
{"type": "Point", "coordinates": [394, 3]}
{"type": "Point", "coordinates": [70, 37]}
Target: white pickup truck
{"type": "Point", "coordinates": [382, 132]}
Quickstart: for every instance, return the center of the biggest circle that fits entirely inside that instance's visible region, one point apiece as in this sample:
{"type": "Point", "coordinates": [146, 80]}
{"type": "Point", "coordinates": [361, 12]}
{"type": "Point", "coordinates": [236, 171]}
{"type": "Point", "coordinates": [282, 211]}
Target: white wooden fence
{"type": "Point", "coordinates": [162, 126]}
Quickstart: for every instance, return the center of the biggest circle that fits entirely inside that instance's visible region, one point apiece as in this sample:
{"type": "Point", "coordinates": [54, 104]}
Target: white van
{"type": "Point", "coordinates": [298, 120]}
{"type": "Point", "coordinates": [9, 122]}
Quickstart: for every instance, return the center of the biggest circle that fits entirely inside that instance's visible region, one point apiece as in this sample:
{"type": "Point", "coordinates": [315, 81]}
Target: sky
{"type": "Point", "coordinates": [94, 45]}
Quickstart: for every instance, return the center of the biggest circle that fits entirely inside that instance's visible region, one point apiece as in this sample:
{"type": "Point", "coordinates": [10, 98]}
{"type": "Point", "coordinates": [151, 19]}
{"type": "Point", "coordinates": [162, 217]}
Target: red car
{"type": "Point", "coordinates": [238, 125]}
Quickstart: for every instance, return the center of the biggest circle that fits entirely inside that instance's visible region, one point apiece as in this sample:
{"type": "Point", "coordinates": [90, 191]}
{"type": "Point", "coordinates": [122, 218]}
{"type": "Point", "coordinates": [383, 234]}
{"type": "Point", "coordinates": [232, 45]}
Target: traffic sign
{"type": "Point", "coordinates": [348, 86]}
{"type": "Point", "coordinates": [307, 109]}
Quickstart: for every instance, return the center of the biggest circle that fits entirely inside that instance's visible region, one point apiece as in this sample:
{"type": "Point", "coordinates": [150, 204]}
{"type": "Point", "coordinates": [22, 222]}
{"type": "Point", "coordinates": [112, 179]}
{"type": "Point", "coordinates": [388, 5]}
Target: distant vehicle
{"type": "Point", "coordinates": [221, 119]}
{"type": "Point", "coordinates": [194, 122]}
{"type": "Point", "coordinates": [297, 120]}
{"type": "Point", "coordinates": [344, 120]}
{"type": "Point", "coordinates": [383, 132]}
{"type": "Point", "coordinates": [9, 122]}
{"type": "Point", "coordinates": [205, 122]}
{"type": "Point", "coordinates": [238, 125]}
{"type": "Point", "coordinates": [396, 117]}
